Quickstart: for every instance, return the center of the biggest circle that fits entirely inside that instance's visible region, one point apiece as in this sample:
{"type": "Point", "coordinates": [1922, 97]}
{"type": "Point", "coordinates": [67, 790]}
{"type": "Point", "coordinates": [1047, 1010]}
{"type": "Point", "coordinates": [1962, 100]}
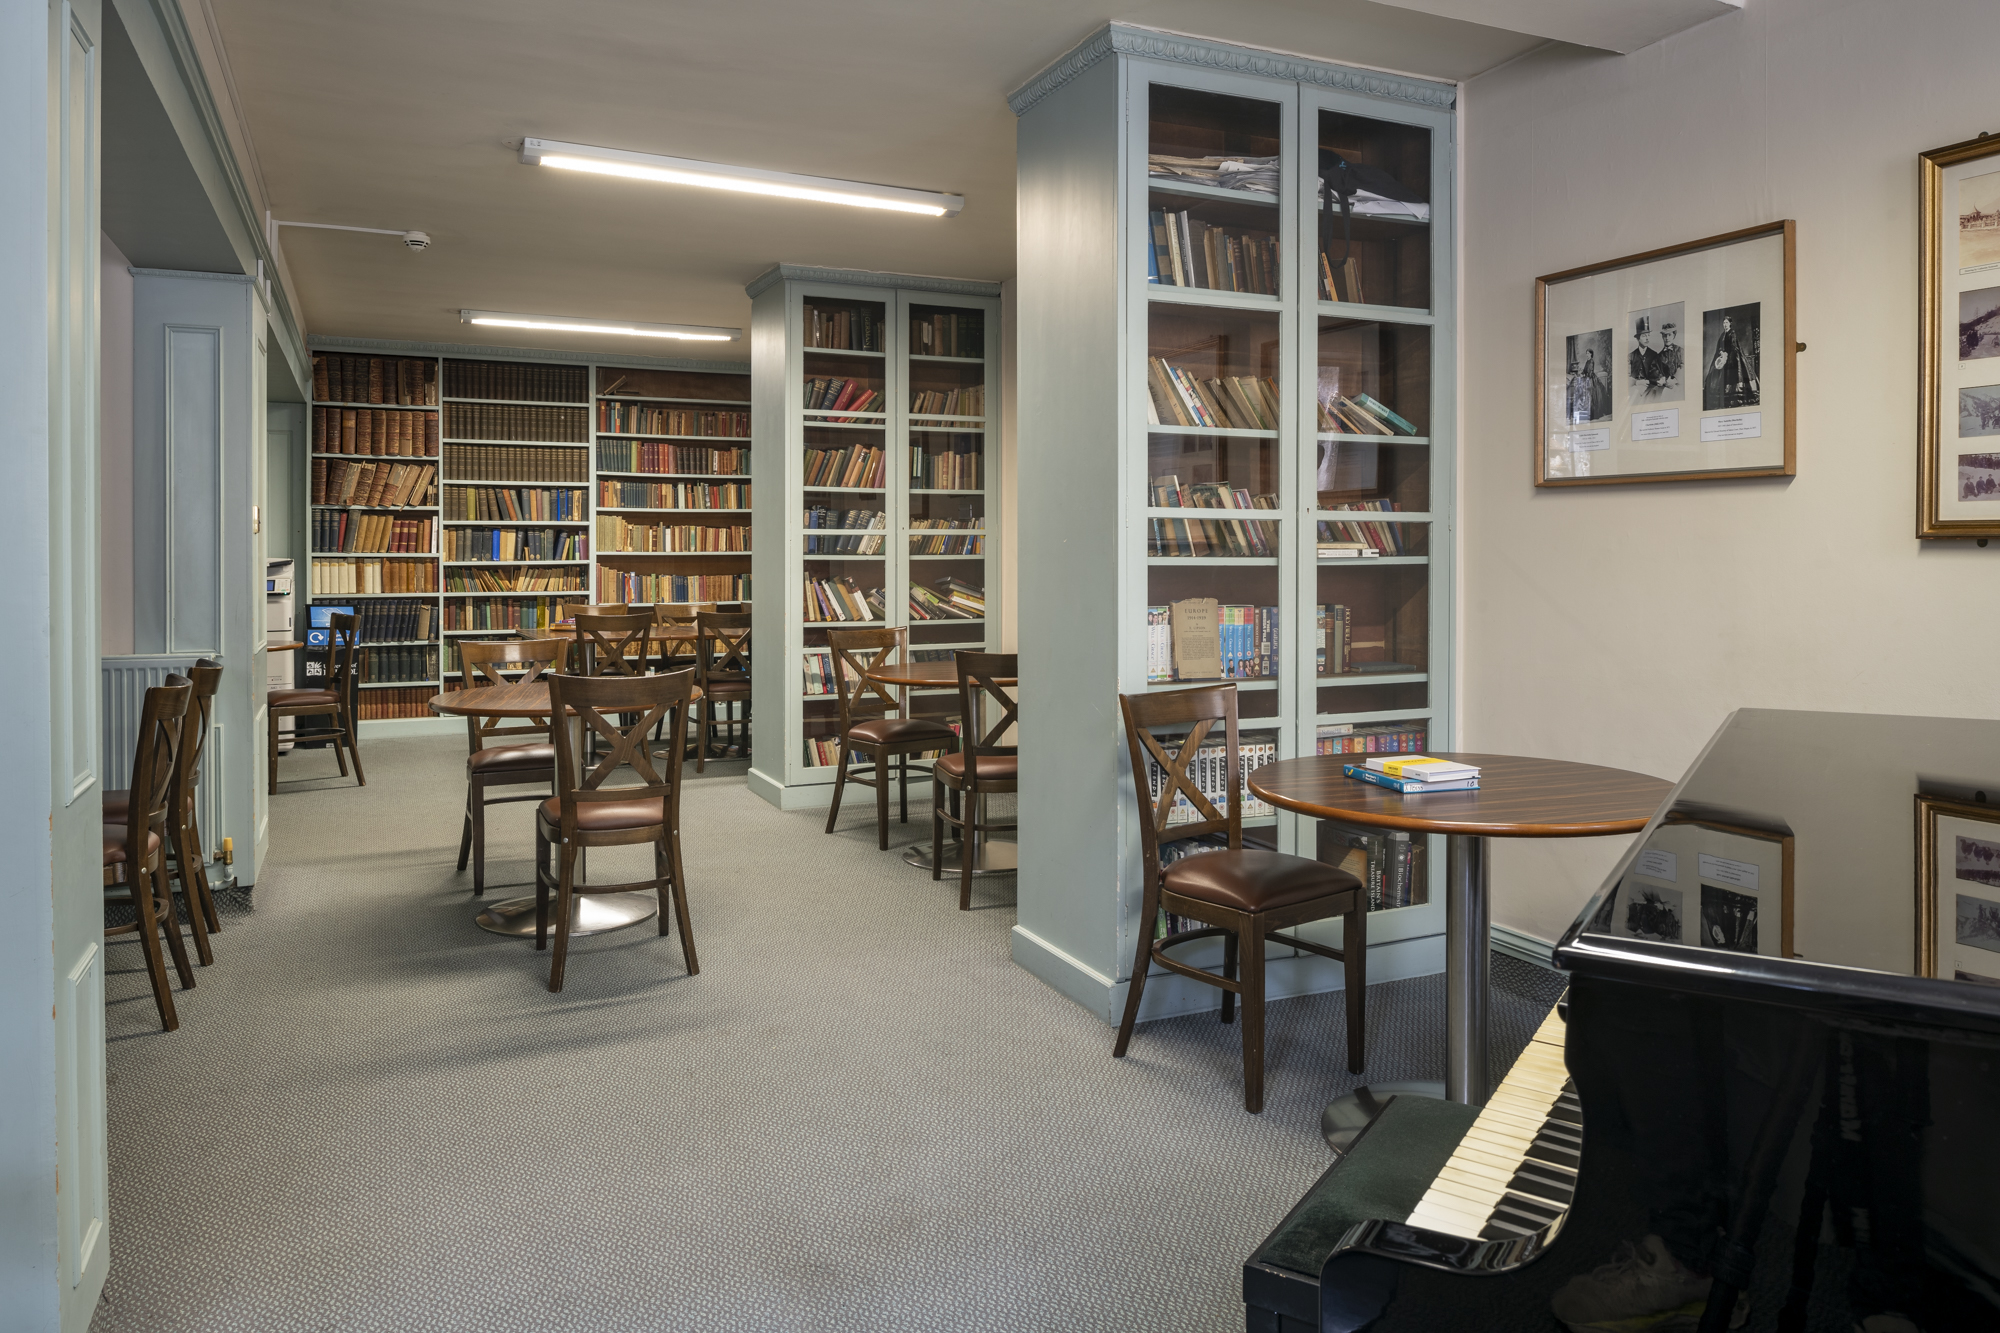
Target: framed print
{"type": "Point", "coordinates": [1672, 365]}
{"type": "Point", "coordinates": [1958, 346]}
{"type": "Point", "coordinates": [1709, 885]}
{"type": "Point", "coordinates": [1958, 891]}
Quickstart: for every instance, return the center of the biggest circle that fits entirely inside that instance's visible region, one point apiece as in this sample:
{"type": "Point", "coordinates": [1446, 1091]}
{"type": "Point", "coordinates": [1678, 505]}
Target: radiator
{"type": "Point", "coordinates": [125, 681]}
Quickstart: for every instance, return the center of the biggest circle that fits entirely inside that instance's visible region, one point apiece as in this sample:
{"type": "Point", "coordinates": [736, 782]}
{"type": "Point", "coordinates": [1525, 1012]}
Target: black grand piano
{"type": "Point", "coordinates": [1774, 1078]}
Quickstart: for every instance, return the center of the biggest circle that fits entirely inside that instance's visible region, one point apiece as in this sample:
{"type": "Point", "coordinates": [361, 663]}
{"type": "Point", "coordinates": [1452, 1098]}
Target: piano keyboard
{"type": "Point", "coordinates": [1514, 1171]}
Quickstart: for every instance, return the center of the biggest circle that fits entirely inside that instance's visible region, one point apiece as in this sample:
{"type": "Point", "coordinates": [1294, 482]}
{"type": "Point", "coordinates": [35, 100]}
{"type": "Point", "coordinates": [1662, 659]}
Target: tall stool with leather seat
{"type": "Point", "coordinates": [343, 645]}
{"type": "Point", "coordinates": [867, 728]}
{"type": "Point", "coordinates": [722, 670]}
{"type": "Point", "coordinates": [1246, 895]}
{"type": "Point", "coordinates": [184, 845]}
{"type": "Point", "coordinates": [981, 767]}
{"type": "Point", "coordinates": [584, 813]}
{"type": "Point", "coordinates": [135, 850]}
{"type": "Point", "coordinates": [499, 758]}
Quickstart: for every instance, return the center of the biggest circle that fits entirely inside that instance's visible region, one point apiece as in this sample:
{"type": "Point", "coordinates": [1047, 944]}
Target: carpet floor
{"type": "Point", "coordinates": [861, 1115]}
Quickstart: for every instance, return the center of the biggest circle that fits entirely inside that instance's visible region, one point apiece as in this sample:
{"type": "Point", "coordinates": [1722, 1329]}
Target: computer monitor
{"type": "Point", "coordinates": [319, 624]}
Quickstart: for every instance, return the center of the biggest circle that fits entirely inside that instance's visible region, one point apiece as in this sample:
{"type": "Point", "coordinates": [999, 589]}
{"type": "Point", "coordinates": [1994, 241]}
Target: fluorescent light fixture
{"type": "Point", "coordinates": [748, 180]}
{"type": "Point", "coordinates": [697, 333]}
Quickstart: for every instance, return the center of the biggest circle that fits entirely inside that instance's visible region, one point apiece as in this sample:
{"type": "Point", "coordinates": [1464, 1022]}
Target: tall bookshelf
{"type": "Point", "coordinates": [1242, 265]}
{"type": "Point", "coordinates": [887, 498]}
{"type": "Point", "coordinates": [520, 518]}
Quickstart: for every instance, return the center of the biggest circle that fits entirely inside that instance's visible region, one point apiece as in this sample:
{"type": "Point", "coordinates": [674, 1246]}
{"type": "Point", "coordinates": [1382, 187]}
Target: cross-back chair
{"type": "Point", "coordinates": [584, 812]}
{"type": "Point", "coordinates": [135, 850]}
{"type": "Point", "coordinates": [1246, 895]}
{"type": "Point", "coordinates": [982, 766]}
{"type": "Point", "coordinates": [722, 670]}
{"type": "Point", "coordinates": [875, 722]}
{"type": "Point", "coordinates": [502, 755]}
{"type": "Point", "coordinates": [343, 648]}
{"type": "Point", "coordinates": [184, 845]}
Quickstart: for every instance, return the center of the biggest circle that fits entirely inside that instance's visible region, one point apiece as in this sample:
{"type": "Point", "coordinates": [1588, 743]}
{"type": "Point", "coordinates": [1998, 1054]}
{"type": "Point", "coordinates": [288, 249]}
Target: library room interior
{"type": "Point", "coordinates": [1160, 667]}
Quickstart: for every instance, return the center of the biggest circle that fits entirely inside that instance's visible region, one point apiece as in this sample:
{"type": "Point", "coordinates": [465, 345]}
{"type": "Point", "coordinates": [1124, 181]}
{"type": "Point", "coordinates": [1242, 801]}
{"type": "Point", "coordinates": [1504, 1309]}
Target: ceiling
{"type": "Point", "coordinates": [387, 113]}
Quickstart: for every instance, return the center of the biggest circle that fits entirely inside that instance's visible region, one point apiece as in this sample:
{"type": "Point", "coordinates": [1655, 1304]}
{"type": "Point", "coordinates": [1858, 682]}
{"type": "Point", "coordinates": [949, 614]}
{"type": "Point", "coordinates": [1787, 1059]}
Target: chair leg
{"type": "Point", "coordinates": [882, 779]}
{"type": "Point", "coordinates": [149, 944]}
{"type": "Point", "coordinates": [1142, 963]}
{"type": "Point", "coordinates": [957, 815]}
{"type": "Point", "coordinates": [193, 834]}
{"type": "Point", "coordinates": [347, 728]}
{"type": "Point", "coordinates": [197, 923]}
{"type": "Point", "coordinates": [170, 924]}
{"type": "Point", "coordinates": [937, 826]}
{"type": "Point", "coordinates": [681, 905]}
{"type": "Point", "coordinates": [565, 886]}
{"type": "Point", "coordinates": [1354, 958]}
{"type": "Point", "coordinates": [1253, 1019]}
{"type": "Point", "coordinates": [703, 717]}
{"type": "Point", "coordinates": [339, 755]}
{"type": "Point", "coordinates": [541, 887]}
{"type": "Point", "coordinates": [465, 833]}
{"type": "Point", "coordinates": [968, 851]}
{"type": "Point", "coordinates": [477, 795]}
{"type": "Point", "coordinates": [1229, 974]}
{"type": "Point", "coordinates": [839, 782]}
{"type": "Point", "coordinates": [903, 782]}
{"type": "Point", "coordinates": [271, 768]}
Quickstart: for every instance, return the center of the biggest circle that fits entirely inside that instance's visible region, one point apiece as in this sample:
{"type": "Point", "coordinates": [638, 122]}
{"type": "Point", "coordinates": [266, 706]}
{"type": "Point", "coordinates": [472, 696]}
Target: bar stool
{"type": "Point", "coordinates": [981, 767]}
{"type": "Point", "coordinates": [504, 764]}
{"type": "Point", "coordinates": [866, 727]}
{"type": "Point", "coordinates": [135, 850]}
{"type": "Point", "coordinates": [722, 670]}
{"type": "Point", "coordinates": [329, 702]}
{"type": "Point", "coordinates": [190, 861]}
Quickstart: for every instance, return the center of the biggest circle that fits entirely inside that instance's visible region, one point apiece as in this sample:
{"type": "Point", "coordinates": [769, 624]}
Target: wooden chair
{"type": "Point", "coordinates": [344, 644]}
{"type": "Point", "coordinates": [496, 758]}
{"type": "Point", "coordinates": [679, 654]}
{"type": "Point", "coordinates": [575, 609]}
{"type": "Point", "coordinates": [614, 643]}
{"type": "Point", "coordinates": [722, 669]}
{"type": "Point", "coordinates": [135, 850]}
{"type": "Point", "coordinates": [981, 767]}
{"type": "Point", "coordinates": [866, 727]}
{"type": "Point", "coordinates": [1247, 895]}
{"type": "Point", "coordinates": [190, 860]}
{"type": "Point", "coordinates": [584, 813]}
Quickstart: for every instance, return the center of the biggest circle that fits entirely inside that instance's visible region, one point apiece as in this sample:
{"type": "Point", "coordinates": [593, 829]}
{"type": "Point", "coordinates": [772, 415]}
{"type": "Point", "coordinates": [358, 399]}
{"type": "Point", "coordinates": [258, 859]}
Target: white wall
{"type": "Point", "coordinates": [115, 493]}
{"type": "Point", "coordinates": [1004, 573]}
{"type": "Point", "coordinates": [1621, 624]}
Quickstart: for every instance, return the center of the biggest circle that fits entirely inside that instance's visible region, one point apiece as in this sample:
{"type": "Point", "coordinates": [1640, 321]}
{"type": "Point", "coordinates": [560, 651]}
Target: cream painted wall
{"type": "Point", "coordinates": [115, 450]}
{"type": "Point", "coordinates": [1620, 625]}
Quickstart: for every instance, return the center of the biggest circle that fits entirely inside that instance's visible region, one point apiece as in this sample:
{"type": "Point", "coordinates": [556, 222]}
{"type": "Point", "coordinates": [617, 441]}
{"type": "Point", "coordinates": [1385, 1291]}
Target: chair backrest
{"type": "Point", "coordinates": [343, 647]}
{"type": "Point", "coordinates": [598, 703]}
{"type": "Point", "coordinates": [722, 647]}
{"type": "Point", "coordinates": [681, 613]}
{"type": "Point", "coordinates": [575, 609]}
{"type": "Point", "coordinates": [857, 652]}
{"type": "Point", "coordinates": [979, 677]}
{"type": "Point", "coordinates": [614, 645]}
{"type": "Point", "coordinates": [1198, 710]}
{"type": "Point", "coordinates": [156, 765]}
{"type": "Point", "coordinates": [207, 677]}
{"type": "Point", "coordinates": [482, 663]}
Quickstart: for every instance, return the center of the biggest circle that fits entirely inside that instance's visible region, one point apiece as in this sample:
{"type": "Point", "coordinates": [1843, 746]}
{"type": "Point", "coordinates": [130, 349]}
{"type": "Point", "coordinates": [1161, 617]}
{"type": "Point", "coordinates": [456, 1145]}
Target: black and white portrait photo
{"type": "Point", "coordinates": [1979, 411]}
{"type": "Point", "coordinates": [1978, 922]}
{"type": "Point", "coordinates": [1653, 914]}
{"type": "Point", "coordinates": [1978, 860]}
{"type": "Point", "coordinates": [1979, 324]}
{"type": "Point", "coordinates": [1979, 221]}
{"type": "Point", "coordinates": [1728, 919]}
{"type": "Point", "coordinates": [1979, 476]}
{"type": "Point", "coordinates": [1654, 361]}
{"type": "Point", "coordinates": [1589, 396]}
{"type": "Point", "coordinates": [1730, 352]}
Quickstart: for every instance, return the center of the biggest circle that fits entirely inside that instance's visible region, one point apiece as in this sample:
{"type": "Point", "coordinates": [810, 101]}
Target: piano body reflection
{"type": "Point", "coordinates": [1777, 1104]}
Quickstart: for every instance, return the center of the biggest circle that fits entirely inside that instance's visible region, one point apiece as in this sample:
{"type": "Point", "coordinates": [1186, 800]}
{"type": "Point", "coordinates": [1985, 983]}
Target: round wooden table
{"type": "Point", "coordinates": [1517, 798]}
{"type": "Point", "coordinates": [590, 914]}
{"type": "Point", "coordinates": [994, 858]}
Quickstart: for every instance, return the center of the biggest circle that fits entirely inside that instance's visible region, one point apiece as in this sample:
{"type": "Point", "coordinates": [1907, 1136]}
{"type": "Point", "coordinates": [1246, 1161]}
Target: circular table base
{"type": "Point", "coordinates": [995, 858]}
{"type": "Point", "coordinates": [1341, 1123]}
{"type": "Point", "coordinates": [591, 915]}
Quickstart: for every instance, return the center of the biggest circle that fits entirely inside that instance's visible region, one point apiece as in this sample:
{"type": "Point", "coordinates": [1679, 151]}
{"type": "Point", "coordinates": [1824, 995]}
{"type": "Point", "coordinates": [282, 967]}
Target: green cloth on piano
{"type": "Point", "coordinates": [1383, 1176]}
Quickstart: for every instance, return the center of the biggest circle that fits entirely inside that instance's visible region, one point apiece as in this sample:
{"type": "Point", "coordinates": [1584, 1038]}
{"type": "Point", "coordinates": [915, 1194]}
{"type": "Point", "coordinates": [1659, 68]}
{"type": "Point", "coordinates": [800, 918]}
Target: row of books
{"type": "Point", "coordinates": [950, 598]}
{"type": "Point", "coordinates": [505, 462]}
{"type": "Point", "coordinates": [1359, 414]}
{"type": "Point", "coordinates": [624, 585]}
{"type": "Point", "coordinates": [821, 516]}
{"type": "Point", "coordinates": [965, 402]}
{"type": "Point", "coordinates": [338, 482]}
{"type": "Point", "coordinates": [381, 705]}
{"type": "Point", "coordinates": [1245, 640]}
{"type": "Point", "coordinates": [1370, 737]}
{"type": "Point", "coordinates": [1206, 537]}
{"type": "Point", "coordinates": [377, 431]}
{"type": "Point", "coordinates": [343, 577]}
{"type": "Point", "coordinates": [673, 495]}
{"type": "Point", "coordinates": [615, 534]}
{"type": "Point", "coordinates": [841, 599]}
{"type": "Point", "coordinates": [859, 466]}
{"type": "Point", "coordinates": [621, 418]}
{"type": "Point", "coordinates": [1389, 863]}
{"type": "Point", "coordinates": [832, 393]}
{"type": "Point", "coordinates": [946, 545]}
{"type": "Point", "coordinates": [683, 459]}
{"type": "Point", "coordinates": [346, 530]}
{"type": "Point", "coordinates": [957, 468]}
{"type": "Point", "coordinates": [341, 378]}
{"type": "Point", "coordinates": [1167, 492]}
{"type": "Point", "coordinates": [401, 663]}
{"type": "Point", "coordinates": [516, 381]}
{"type": "Point", "coordinates": [1340, 282]}
{"type": "Point", "coordinates": [856, 545]}
{"type": "Point", "coordinates": [1210, 771]}
{"type": "Point", "coordinates": [395, 622]}
{"type": "Point", "coordinates": [823, 751]}
{"type": "Point", "coordinates": [819, 678]}
{"type": "Point", "coordinates": [512, 421]}
{"type": "Point", "coordinates": [1222, 171]}
{"type": "Point", "coordinates": [520, 503]}
{"type": "Point", "coordinates": [949, 333]}
{"type": "Point", "coordinates": [1233, 402]}
{"type": "Point", "coordinates": [844, 328]}
{"type": "Point", "coordinates": [518, 578]}
{"type": "Point", "coordinates": [503, 613]}
{"type": "Point", "coordinates": [1188, 252]}
{"type": "Point", "coordinates": [515, 544]}
{"type": "Point", "coordinates": [1381, 538]}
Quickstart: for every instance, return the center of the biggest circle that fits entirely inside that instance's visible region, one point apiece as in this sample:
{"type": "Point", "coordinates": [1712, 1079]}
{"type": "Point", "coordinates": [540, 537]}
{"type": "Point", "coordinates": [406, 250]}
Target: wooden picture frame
{"type": "Point", "coordinates": [1960, 957]}
{"type": "Point", "coordinates": [1624, 422]}
{"type": "Point", "coordinates": [1958, 253]}
{"type": "Point", "coordinates": [1699, 876]}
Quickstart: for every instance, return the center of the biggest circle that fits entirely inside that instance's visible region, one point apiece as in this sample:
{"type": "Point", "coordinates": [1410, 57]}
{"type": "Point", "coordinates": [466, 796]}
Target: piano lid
{"type": "Point", "coordinates": [1862, 841]}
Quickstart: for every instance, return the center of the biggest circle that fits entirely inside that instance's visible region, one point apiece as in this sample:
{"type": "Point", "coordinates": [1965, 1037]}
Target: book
{"type": "Point", "coordinates": [1422, 768]}
{"type": "Point", "coordinates": [1408, 786]}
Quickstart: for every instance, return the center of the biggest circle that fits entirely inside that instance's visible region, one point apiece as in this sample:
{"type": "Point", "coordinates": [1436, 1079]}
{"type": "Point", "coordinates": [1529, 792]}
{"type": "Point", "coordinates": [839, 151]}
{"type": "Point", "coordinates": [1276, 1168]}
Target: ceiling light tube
{"type": "Point", "coordinates": [700, 333]}
{"type": "Point", "coordinates": [748, 180]}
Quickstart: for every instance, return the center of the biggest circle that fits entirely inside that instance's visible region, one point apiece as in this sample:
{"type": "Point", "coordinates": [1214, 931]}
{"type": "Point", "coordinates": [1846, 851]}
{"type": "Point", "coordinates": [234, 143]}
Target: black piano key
{"type": "Point", "coordinates": [1556, 1154]}
{"type": "Point", "coordinates": [1541, 1186]}
{"type": "Point", "coordinates": [1497, 1229]}
{"type": "Point", "coordinates": [1515, 1207]}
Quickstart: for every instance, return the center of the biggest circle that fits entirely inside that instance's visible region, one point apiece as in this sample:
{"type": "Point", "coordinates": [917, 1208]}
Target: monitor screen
{"type": "Point", "coordinates": [318, 622]}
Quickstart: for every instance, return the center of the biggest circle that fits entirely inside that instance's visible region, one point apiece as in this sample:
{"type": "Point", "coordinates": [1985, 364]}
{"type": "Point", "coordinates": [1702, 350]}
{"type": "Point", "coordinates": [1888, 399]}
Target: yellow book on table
{"type": "Point", "coordinates": [1422, 768]}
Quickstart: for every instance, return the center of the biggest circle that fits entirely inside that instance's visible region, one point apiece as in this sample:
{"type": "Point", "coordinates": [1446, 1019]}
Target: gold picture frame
{"type": "Point", "coordinates": [1958, 206]}
{"type": "Point", "coordinates": [1932, 953]}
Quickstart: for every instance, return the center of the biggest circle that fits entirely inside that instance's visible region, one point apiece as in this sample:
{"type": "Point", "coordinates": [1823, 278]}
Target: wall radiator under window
{"type": "Point", "coordinates": [125, 682]}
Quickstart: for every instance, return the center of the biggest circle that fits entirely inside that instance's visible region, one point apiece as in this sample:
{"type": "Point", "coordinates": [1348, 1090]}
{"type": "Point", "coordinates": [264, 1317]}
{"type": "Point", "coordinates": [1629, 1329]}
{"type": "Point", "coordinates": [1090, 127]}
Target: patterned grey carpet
{"type": "Point", "coordinates": [860, 1116]}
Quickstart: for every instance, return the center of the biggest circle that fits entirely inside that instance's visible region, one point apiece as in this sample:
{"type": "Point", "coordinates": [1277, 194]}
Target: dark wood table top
{"type": "Point", "coordinates": [658, 632]}
{"type": "Point", "coordinates": [1517, 797]}
{"type": "Point", "coordinates": [516, 700]}
{"type": "Point", "coordinates": [923, 675]}
{"type": "Point", "coordinates": [282, 647]}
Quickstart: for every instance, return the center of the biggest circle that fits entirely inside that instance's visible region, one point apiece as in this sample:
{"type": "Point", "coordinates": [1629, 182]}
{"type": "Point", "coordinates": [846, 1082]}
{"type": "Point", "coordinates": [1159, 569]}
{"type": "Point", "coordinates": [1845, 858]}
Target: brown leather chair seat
{"type": "Point", "coordinates": [116, 805]}
{"type": "Point", "coordinates": [114, 844]}
{"type": "Point", "coordinates": [992, 767]}
{"type": "Point", "coordinates": [608, 816]}
{"type": "Point", "coordinates": [1253, 881]}
{"type": "Point", "coordinates": [726, 689]}
{"type": "Point", "coordinates": [511, 758]}
{"type": "Point", "coordinates": [288, 698]}
{"type": "Point", "coordinates": [899, 730]}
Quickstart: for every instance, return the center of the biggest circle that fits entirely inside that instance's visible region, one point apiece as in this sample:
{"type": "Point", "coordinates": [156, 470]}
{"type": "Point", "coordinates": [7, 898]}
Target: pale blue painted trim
{"type": "Point", "coordinates": [480, 351]}
{"type": "Point", "coordinates": [243, 278]}
{"type": "Point", "coordinates": [1528, 948]}
{"type": "Point", "coordinates": [1180, 48]}
{"type": "Point", "coordinates": [855, 277]}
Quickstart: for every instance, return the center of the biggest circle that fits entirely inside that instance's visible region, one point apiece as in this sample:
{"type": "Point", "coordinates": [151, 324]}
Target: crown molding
{"type": "Point", "coordinates": [857, 277]}
{"type": "Point", "coordinates": [243, 278]}
{"type": "Point", "coordinates": [486, 352]}
{"type": "Point", "coordinates": [1182, 49]}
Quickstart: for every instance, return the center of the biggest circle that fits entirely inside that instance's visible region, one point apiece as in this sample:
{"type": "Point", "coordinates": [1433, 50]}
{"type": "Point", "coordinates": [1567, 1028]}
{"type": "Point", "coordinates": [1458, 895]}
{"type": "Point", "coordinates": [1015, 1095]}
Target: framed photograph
{"type": "Point", "coordinates": [1709, 885]}
{"type": "Point", "coordinates": [1958, 347]}
{"type": "Point", "coordinates": [1673, 365]}
{"type": "Point", "coordinates": [1958, 891]}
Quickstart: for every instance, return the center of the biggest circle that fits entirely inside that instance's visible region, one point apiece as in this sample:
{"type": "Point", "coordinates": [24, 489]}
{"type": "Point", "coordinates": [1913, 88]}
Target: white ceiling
{"type": "Point", "coordinates": [387, 113]}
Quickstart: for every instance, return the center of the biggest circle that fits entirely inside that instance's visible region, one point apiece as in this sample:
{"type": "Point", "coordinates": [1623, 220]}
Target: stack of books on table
{"type": "Point", "coordinates": [1415, 773]}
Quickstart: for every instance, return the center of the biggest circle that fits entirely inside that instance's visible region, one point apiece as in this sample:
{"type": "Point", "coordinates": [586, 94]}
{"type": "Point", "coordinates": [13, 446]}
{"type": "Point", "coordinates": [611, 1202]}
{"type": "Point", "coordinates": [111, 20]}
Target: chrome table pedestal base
{"type": "Point", "coordinates": [995, 858]}
{"type": "Point", "coordinates": [1341, 1123]}
{"type": "Point", "coordinates": [589, 915]}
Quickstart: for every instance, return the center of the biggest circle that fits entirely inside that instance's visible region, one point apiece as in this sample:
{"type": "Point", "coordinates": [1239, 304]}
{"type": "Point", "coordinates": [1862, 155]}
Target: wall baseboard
{"type": "Point", "coordinates": [1528, 948]}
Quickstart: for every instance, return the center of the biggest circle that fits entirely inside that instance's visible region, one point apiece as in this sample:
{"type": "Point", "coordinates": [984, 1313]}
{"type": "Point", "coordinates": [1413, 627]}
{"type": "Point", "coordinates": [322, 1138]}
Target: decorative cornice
{"type": "Point", "coordinates": [243, 278]}
{"type": "Point", "coordinates": [1183, 49]}
{"type": "Point", "coordinates": [486, 352]}
{"type": "Point", "coordinates": [859, 277]}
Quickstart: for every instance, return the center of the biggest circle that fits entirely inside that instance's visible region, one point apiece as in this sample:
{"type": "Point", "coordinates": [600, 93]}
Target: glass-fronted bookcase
{"type": "Point", "coordinates": [1236, 294]}
{"type": "Point", "coordinates": [877, 411]}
